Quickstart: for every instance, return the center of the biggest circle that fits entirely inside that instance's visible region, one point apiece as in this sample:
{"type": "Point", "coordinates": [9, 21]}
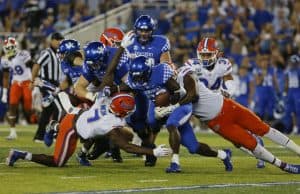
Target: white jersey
{"type": "Point", "coordinates": [212, 79]}
{"type": "Point", "coordinates": [98, 120]}
{"type": "Point", "coordinates": [209, 104]}
{"type": "Point", "coordinates": [18, 66]}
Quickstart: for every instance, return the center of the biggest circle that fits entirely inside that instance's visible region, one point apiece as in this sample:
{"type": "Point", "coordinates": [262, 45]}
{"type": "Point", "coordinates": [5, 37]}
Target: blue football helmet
{"type": "Point", "coordinates": [95, 55]}
{"type": "Point", "coordinates": [68, 46]}
{"type": "Point", "coordinates": [144, 27]}
{"type": "Point", "coordinates": [140, 70]}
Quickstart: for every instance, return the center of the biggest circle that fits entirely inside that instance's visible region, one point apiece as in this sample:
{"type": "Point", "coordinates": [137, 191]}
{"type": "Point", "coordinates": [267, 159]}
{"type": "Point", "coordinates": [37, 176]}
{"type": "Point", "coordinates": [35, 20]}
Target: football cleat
{"type": "Point", "coordinates": [49, 133]}
{"type": "Point", "coordinates": [260, 164]}
{"type": "Point", "coordinates": [173, 168]}
{"type": "Point", "coordinates": [290, 168]}
{"type": "Point", "coordinates": [14, 155]}
{"type": "Point", "coordinates": [82, 159]}
{"type": "Point", "coordinates": [227, 160]}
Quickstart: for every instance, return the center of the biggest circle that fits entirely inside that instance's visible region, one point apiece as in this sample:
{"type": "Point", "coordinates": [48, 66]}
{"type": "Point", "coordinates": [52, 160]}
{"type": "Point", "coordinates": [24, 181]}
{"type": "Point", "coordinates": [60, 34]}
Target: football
{"type": "Point", "coordinates": [162, 98]}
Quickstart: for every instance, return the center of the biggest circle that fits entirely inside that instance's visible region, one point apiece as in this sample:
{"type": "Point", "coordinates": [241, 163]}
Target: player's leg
{"type": "Point", "coordinates": [27, 99]}
{"type": "Point", "coordinates": [14, 99]}
{"type": "Point", "coordinates": [66, 141]}
{"type": "Point", "coordinates": [248, 120]}
{"type": "Point", "coordinates": [177, 118]}
{"type": "Point", "coordinates": [64, 147]}
{"type": "Point", "coordinates": [188, 139]}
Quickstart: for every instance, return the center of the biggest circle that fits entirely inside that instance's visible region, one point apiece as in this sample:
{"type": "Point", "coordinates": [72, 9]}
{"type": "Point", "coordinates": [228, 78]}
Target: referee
{"type": "Point", "coordinates": [48, 68]}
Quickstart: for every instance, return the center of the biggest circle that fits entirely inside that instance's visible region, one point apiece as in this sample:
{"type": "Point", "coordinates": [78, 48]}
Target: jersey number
{"type": "Point", "coordinates": [96, 115]}
{"type": "Point", "coordinates": [18, 70]}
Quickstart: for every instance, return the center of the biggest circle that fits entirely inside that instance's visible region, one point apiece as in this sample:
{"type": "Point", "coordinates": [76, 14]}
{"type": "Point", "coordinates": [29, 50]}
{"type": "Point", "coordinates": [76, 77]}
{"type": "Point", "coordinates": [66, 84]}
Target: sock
{"type": "Point", "coordinates": [261, 153]}
{"type": "Point", "coordinates": [277, 137]}
{"type": "Point", "coordinates": [277, 162]}
{"type": "Point", "coordinates": [12, 130]}
{"type": "Point", "coordinates": [83, 149]}
{"type": "Point", "coordinates": [175, 158]}
{"type": "Point", "coordinates": [221, 154]}
{"type": "Point", "coordinates": [28, 156]}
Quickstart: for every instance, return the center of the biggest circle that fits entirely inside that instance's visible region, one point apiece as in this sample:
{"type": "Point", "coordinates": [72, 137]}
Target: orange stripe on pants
{"type": "Point", "coordinates": [235, 123]}
{"type": "Point", "coordinates": [66, 140]}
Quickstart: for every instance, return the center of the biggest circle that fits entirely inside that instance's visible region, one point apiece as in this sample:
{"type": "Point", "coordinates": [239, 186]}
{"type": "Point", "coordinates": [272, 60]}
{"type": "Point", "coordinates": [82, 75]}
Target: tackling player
{"type": "Point", "coordinates": [105, 117]}
{"type": "Point", "coordinates": [215, 72]}
{"type": "Point", "coordinates": [234, 122]}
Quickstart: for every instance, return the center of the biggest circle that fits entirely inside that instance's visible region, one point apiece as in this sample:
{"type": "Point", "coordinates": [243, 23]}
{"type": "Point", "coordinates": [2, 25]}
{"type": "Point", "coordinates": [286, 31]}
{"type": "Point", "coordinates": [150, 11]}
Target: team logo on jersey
{"type": "Point", "coordinates": [135, 48]}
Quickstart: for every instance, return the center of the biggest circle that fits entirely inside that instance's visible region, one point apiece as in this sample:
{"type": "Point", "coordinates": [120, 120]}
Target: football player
{"type": "Point", "coordinates": [157, 49]}
{"type": "Point", "coordinates": [233, 121]}
{"type": "Point", "coordinates": [215, 72]}
{"type": "Point", "coordinates": [18, 62]}
{"type": "Point", "coordinates": [105, 117]}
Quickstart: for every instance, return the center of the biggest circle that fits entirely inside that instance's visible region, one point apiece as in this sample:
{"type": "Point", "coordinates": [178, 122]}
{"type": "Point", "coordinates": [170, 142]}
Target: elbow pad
{"type": "Point", "coordinates": [229, 87]}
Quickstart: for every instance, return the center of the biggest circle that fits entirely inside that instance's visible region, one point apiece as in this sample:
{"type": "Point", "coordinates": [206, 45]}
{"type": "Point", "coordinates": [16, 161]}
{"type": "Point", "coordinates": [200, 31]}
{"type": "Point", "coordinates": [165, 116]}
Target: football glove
{"type": "Point", "coordinates": [128, 39]}
{"type": "Point", "coordinates": [161, 151]}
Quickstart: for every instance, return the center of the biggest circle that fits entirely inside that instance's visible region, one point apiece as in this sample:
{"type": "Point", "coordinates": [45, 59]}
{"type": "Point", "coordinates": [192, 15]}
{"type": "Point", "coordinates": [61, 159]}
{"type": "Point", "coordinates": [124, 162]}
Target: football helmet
{"type": "Point", "coordinates": [140, 70]}
{"type": "Point", "coordinates": [122, 104]}
{"type": "Point", "coordinates": [112, 37]}
{"type": "Point", "coordinates": [68, 45]}
{"type": "Point", "coordinates": [95, 54]}
{"type": "Point", "coordinates": [10, 47]}
{"type": "Point", "coordinates": [144, 27]}
{"type": "Point", "coordinates": [207, 52]}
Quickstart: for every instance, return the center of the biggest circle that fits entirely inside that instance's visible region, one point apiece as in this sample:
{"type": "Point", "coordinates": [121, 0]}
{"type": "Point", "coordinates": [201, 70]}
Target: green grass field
{"type": "Point", "coordinates": [200, 174]}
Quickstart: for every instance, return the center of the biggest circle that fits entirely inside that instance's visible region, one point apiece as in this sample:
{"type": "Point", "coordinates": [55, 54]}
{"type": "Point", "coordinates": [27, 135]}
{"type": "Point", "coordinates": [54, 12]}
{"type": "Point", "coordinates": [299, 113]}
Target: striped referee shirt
{"type": "Point", "coordinates": [50, 69]}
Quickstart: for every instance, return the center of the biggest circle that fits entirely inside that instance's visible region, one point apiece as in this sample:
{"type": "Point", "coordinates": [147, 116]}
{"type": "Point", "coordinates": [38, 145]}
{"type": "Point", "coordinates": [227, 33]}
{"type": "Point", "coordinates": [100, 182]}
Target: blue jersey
{"type": "Point", "coordinates": [153, 49]}
{"type": "Point", "coordinates": [122, 68]}
{"type": "Point", "coordinates": [73, 72]}
{"type": "Point", "coordinates": [268, 79]}
{"type": "Point", "coordinates": [293, 75]}
{"type": "Point", "coordinates": [160, 74]}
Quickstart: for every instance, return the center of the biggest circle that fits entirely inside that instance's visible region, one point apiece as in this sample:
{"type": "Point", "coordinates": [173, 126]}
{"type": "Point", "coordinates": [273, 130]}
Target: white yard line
{"type": "Point", "coordinates": [159, 189]}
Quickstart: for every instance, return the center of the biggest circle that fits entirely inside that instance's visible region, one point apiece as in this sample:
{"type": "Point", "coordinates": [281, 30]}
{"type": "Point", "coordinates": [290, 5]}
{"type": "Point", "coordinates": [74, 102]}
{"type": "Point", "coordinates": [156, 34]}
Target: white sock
{"type": "Point", "coordinates": [12, 130]}
{"type": "Point", "coordinates": [28, 156]}
{"type": "Point", "coordinates": [175, 158]}
{"type": "Point", "coordinates": [221, 154]}
{"type": "Point", "coordinates": [83, 149]}
{"type": "Point", "coordinates": [277, 162]}
{"type": "Point", "coordinates": [261, 153]}
{"type": "Point", "coordinates": [277, 137]}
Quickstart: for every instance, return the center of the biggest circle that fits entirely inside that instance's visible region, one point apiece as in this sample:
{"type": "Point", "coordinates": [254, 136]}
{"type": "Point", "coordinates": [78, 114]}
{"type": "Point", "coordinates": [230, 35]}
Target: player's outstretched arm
{"type": "Point", "coordinates": [120, 140]}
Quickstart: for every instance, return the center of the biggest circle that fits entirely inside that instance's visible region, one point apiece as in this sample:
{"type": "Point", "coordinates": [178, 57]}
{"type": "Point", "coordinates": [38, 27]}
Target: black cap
{"type": "Point", "coordinates": [57, 36]}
